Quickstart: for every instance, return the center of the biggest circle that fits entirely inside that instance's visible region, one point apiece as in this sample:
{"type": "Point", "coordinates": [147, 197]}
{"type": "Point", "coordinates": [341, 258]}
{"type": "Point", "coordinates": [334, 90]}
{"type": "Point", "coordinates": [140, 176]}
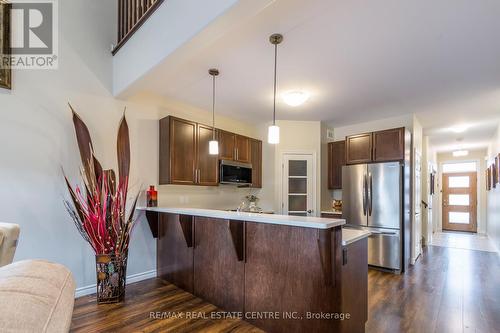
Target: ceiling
{"type": "Point", "coordinates": [360, 61]}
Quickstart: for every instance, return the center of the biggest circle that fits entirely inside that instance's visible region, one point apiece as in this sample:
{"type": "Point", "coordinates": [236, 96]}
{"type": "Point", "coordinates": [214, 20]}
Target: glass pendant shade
{"type": "Point", "coordinates": [213, 147]}
{"type": "Point", "coordinates": [273, 135]}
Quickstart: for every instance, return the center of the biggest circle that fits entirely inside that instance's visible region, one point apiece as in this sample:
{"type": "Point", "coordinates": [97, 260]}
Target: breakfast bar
{"type": "Point", "coordinates": [280, 273]}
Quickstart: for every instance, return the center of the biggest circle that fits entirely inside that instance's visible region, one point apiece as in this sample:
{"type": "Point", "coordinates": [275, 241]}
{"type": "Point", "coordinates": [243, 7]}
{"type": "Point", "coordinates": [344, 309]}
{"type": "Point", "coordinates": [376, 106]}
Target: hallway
{"type": "Point", "coordinates": [463, 240]}
{"type": "Point", "coordinates": [448, 290]}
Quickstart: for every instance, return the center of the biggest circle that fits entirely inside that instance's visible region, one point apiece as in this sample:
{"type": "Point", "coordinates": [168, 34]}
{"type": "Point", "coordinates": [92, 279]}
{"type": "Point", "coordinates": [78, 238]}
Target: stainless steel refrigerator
{"type": "Point", "coordinates": [375, 198]}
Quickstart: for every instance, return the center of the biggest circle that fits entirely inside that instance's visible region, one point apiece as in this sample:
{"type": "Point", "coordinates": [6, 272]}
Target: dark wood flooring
{"type": "Point", "coordinates": [448, 290]}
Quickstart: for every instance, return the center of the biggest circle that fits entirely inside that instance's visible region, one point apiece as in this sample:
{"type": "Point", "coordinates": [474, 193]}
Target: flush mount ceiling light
{"type": "Point", "coordinates": [213, 145]}
{"type": "Point", "coordinates": [460, 153]}
{"type": "Point", "coordinates": [295, 98]}
{"type": "Point", "coordinates": [273, 135]}
{"type": "Point", "coordinates": [459, 128]}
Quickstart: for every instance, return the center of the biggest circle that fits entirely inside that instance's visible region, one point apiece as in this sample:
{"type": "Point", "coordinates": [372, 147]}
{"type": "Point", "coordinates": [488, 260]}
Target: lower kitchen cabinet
{"type": "Point", "coordinates": [288, 273]}
{"type": "Point", "coordinates": [355, 286]}
{"type": "Point", "coordinates": [219, 267]}
{"type": "Point", "coordinates": [175, 250]}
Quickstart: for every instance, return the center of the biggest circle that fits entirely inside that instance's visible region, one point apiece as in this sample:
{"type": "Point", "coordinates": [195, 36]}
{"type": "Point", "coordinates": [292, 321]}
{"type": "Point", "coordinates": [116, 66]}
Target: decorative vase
{"type": "Point", "coordinates": [111, 275]}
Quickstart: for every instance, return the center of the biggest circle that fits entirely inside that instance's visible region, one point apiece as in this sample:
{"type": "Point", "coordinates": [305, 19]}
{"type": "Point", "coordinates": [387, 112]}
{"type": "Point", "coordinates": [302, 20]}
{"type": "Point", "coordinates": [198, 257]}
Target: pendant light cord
{"type": "Point", "coordinates": [213, 107]}
{"type": "Point", "coordinates": [275, 70]}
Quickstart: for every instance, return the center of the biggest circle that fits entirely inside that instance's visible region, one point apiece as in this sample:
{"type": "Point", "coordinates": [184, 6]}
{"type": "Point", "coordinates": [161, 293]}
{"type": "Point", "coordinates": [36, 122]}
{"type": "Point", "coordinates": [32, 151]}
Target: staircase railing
{"type": "Point", "coordinates": [131, 15]}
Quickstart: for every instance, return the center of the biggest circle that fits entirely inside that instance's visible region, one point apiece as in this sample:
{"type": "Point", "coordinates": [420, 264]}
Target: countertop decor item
{"type": "Point", "coordinates": [252, 203]}
{"type": "Point", "coordinates": [337, 205]}
{"type": "Point", "coordinates": [98, 209]}
{"type": "Point", "coordinates": [5, 71]}
{"type": "Point", "coordinates": [152, 197]}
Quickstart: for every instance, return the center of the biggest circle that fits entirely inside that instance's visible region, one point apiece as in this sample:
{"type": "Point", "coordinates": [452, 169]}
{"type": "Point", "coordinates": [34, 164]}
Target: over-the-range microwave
{"type": "Point", "coordinates": [231, 172]}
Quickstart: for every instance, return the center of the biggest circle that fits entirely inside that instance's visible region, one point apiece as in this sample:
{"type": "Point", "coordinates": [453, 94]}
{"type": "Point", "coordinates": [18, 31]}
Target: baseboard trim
{"type": "Point", "coordinates": [91, 289]}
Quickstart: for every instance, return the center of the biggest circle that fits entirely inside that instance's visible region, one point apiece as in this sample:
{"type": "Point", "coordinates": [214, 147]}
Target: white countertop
{"type": "Point", "coordinates": [294, 221]}
{"type": "Point", "coordinates": [350, 236]}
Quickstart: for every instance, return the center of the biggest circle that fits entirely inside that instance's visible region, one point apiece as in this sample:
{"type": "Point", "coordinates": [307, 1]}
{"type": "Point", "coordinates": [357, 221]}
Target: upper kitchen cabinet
{"type": "Point", "coordinates": [184, 157]}
{"type": "Point", "coordinates": [208, 173]}
{"type": "Point", "coordinates": [389, 145]}
{"type": "Point", "coordinates": [380, 146]}
{"type": "Point", "coordinates": [359, 148]}
{"type": "Point", "coordinates": [234, 147]}
{"type": "Point", "coordinates": [256, 160]}
{"type": "Point", "coordinates": [336, 159]}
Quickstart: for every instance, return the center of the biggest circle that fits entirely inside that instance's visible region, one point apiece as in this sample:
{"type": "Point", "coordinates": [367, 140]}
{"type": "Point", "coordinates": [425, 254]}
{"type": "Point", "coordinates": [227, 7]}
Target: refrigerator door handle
{"type": "Point", "coordinates": [370, 195]}
{"type": "Point", "coordinates": [364, 194]}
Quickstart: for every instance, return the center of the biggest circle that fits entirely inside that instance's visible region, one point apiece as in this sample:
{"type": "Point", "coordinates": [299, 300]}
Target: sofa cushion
{"type": "Point", "coordinates": [9, 234]}
{"type": "Point", "coordinates": [36, 296]}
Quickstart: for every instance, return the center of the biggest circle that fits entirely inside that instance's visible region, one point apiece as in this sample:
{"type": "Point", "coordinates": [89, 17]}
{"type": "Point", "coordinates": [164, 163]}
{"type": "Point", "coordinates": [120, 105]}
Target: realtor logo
{"type": "Point", "coordinates": [34, 34]}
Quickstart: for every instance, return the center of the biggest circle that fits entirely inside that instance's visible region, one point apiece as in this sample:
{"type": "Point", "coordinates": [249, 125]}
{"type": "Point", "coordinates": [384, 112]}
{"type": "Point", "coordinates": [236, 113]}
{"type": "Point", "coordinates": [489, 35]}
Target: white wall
{"type": "Point", "coordinates": [493, 196]}
{"type": "Point", "coordinates": [38, 138]}
{"type": "Point", "coordinates": [476, 156]}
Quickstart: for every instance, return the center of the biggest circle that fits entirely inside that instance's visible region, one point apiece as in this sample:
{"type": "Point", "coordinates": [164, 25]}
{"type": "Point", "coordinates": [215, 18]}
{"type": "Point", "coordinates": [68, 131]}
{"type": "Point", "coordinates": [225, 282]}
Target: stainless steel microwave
{"type": "Point", "coordinates": [231, 172]}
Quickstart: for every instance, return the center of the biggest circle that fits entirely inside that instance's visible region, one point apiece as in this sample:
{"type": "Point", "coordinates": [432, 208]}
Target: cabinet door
{"type": "Point", "coordinates": [359, 148]}
{"type": "Point", "coordinates": [227, 149]}
{"type": "Point", "coordinates": [218, 273]}
{"type": "Point", "coordinates": [174, 258]}
{"type": "Point", "coordinates": [242, 145]}
{"type": "Point", "coordinates": [389, 145]}
{"type": "Point", "coordinates": [207, 165]}
{"type": "Point", "coordinates": [355, 286]}
{"type": "Point", "coordinates": [182, 151]}
{"type": "Point", "coordinates": [256, 151]}
{"type": "Point", "coordinates": [336, 159]}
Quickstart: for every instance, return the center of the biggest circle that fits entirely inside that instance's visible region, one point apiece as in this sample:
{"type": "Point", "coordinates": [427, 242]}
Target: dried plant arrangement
{"type": "Point", "coordinates": [98, 209]}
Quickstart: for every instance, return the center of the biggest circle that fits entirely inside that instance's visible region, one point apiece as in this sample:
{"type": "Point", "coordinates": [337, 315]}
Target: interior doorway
{"type": "Point", "coordinates": [459, 203]}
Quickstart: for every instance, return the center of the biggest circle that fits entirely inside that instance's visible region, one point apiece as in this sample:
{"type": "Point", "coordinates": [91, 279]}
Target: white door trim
{"type": "Point", "coordinates": [314, 176]}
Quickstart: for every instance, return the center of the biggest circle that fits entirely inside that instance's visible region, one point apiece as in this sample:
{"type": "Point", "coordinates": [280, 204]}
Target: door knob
{"type": "Point", "coordinates": [309, 211]}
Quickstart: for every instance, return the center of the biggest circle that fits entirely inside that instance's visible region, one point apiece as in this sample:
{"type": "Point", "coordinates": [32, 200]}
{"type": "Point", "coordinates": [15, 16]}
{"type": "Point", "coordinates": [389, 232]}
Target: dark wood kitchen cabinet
{"type": "Point", "coordinates": [208, 173]}
{"type": "Point", "coordinates": [380, 146]}
{"type": "Point", "coordinates": [355, 286]}
{"type": "Point", "coordinates": [389, 145]}
{"type": "Point", "coordinates": [234, 147]}
{"type": "Point", "coordinates": [184, 157]}
{"type": "Point", "coordinates": [359, 148]}
{"type": "Point", "coordinates": [219, 271]}
{"type": "Point", "coordinates": [336, 160]}
{"type": "Point", "coordinates": [256, 160]}
{"type": "Point", "coordinates": [174, 245]}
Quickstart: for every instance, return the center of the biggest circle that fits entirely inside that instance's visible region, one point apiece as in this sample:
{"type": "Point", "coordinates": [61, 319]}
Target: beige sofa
{"type": "Point", "coordinates": [35, 295]}
{"type": "Point", "coordinates": [9, 234]}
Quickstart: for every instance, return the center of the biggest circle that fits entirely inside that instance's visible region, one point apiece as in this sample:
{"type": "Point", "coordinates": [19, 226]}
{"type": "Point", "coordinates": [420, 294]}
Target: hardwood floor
{"type": "Point", "coordinates": [449, 290]}
{"type": "Point", "coordinates": [158, 296]}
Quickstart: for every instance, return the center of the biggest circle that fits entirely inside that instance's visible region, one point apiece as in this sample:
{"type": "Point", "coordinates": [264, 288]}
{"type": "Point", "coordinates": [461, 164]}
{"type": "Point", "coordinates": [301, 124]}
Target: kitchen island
{"type": "Point", "coordinates": [280, 273]}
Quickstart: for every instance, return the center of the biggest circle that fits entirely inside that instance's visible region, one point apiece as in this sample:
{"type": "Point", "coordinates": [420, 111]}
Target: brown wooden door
{"type": "Point", "coordinates": [242, 145]}
{"type": "Point", "coordinates": [359, 148]}
{"type": "Point", "coordinates": [174, 258]}
{"type": "Point", "coordinates": [389, 145]}
{"type": "Point", "coordinates": [256, 151]}
{"type": "Point", "coordinates": [182, 151]}
{"type": "Point", "coordinates": [336, 159]}
{"type": "Point", "coordinates": [460, 201]}
{"type": "Point", "coordinates": [207, 165]}
{"type": "Point", "coordinates": [227, 149]}
{"type": "Point", "coordinates": [218, 273]}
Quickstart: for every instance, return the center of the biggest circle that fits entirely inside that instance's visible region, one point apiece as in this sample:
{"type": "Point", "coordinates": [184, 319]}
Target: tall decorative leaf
{"type": "Point", "coordinates": [123, 150]}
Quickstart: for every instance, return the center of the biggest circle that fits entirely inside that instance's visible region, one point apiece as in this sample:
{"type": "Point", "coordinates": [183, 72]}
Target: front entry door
{"type": "Point", "coordinates": [460, 201]}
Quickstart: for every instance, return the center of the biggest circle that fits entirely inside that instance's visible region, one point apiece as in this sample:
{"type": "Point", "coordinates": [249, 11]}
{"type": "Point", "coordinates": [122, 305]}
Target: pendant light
{"type": "Point", "coordinates": [273, 135]}
{"type": "Point", "coordinates": [213, 145]}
